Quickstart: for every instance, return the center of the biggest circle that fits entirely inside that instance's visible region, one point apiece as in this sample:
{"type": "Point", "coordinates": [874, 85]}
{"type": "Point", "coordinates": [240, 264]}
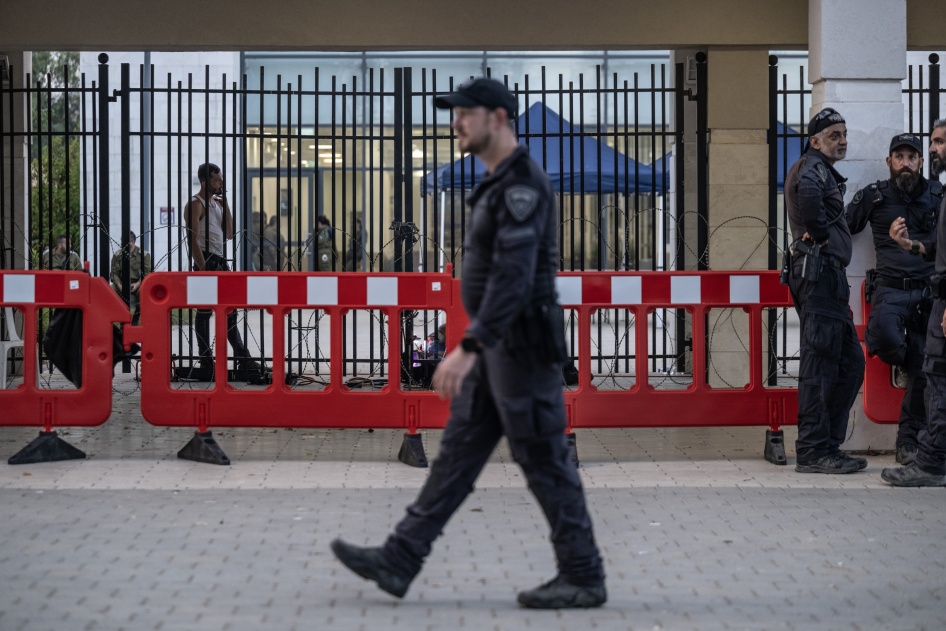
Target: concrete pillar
{"type": "Point", "coordinates": [857, 60]}
{"type": "Point", "coordinates": [738, 196]}
{"type": "Point", "coordinates": [16, 245]}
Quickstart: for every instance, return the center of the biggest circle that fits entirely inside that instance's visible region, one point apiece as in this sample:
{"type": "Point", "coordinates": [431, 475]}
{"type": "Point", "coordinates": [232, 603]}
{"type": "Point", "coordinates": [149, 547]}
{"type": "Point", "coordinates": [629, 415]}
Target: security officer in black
{"type": "Point", "coordinates": [831, 360]}
{"type": "Point", "coordinates": [929, 466]}
{"type": "Point", "coordinates": [505, 378]}
{"type": "Point", "coordinates": [899, 287]}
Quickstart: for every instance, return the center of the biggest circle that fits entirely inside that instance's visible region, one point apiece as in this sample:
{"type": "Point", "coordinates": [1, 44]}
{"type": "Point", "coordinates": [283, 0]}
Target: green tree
{"type": "Point", "coordinates": [54, 176]}
{"type": "Point", "coordinates": [54, 170]}
{"type": "Point", "coordinates": [56, 78]}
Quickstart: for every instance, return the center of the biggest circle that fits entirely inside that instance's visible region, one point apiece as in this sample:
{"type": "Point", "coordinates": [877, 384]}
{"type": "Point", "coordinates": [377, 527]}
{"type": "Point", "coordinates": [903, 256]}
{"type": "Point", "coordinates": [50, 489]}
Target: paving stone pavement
{"type": "Point", "coordinates": [697, 531]}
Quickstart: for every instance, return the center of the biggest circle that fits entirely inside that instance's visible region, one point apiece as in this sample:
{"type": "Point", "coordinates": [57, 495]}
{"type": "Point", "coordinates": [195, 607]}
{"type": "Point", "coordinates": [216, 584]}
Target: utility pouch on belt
{"type": "Point", "coordinates": [539, 331]}
{"type": "Point", "coordinates": [813, 263]}
{"type": "Point", "coordinates": [938, 287]}
{"type": "Point", "coordinates": [869, 284]}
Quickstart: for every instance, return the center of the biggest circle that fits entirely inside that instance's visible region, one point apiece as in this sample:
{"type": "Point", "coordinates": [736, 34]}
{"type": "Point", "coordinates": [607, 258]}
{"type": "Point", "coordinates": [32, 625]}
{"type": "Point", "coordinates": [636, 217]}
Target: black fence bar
{"type": "Point", "coordinates": [102, 209]}
{"type": "Point", "coordinates": [702, 165]}
{"type": "Point", "coordinates": [934, 86]}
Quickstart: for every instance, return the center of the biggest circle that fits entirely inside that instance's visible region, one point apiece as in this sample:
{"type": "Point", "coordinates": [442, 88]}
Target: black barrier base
{"type": "Point", "coordinates": [203, 448]}
{"type": "Point", "coordinates": [775, 447]}
{"type": "Point", "coordinates": [412, 451]}
{"type": "Point", "coordinates": [572, 447]}
{"type": "Point", "coordinates": [48, 447]}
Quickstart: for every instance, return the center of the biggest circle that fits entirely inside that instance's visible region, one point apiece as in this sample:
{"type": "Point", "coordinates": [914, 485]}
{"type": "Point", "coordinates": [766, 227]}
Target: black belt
{"type": "Point", "coordinates": [829, 259]}
{"type": "Point", "coordinates": [906, 284]}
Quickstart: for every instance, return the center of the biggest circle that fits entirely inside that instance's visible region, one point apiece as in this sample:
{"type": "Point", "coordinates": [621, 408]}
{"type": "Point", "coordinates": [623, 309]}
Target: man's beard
{"type": "Point", "coordinates": [905, 180]}
{"type": "Point", "coordinates": [475, 145]}
{"type": "Point", "coordinates": [937, 164]}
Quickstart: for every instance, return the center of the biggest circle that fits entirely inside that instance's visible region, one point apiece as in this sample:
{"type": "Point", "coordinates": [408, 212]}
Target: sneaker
{"type": "Point", "coordinates": [912, 475]}
{"type": "Point", "coordinates": [906, 454]}
{"type": "Point", "coordinates": [370, 564]}
{"type": "Point", "coordinates": [248, 364]}
{"type": "Point", "coordinates": [559, 593]}
{"type": "Point", "coordinates": [831, 463]}
{"type": "Point", "coordinates": [861, 462]}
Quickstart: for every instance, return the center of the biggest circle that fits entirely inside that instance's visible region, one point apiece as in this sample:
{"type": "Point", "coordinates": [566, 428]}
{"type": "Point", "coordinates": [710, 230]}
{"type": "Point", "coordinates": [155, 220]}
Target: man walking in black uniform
{"type": "Point", "coordinates": [505, 377]}
{"type": "Point", "coordinates": [831, 360]}
{"type": "Point", "coordinates": [929, 466]}
{"type": "Point", "coordinates": [899, 292]}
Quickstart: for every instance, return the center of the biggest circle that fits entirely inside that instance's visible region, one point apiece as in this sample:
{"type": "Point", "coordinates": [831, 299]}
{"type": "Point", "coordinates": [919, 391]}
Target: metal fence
{"type": "Point", "coordinates": [373, 157]}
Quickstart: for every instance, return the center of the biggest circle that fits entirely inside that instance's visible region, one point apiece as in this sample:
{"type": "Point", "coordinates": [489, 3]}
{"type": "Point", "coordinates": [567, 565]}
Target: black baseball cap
{"type": "Point", "coordinates": [488, 93]}
{"type": "Point", "coordinates": [821, 121]}
{"type": "Point", "coordinates": [907, 140]}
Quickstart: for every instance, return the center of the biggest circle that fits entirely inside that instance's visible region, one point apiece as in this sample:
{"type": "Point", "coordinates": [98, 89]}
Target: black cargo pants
{"type": "Point", "coordinates": [522, 400]}
{"type": "Point", "coordinates": [896, 332]}
{"type": "Point", "coordinates": [831, 368]}
{"type": "Point", "coordinates": [931, 453]}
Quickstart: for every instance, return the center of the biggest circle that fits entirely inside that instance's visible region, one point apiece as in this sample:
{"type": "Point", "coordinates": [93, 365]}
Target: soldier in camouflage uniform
{"type": "Point", "coordinates": [326, 248]}
{"type": "Point", "coordinates": [139, 264]}
{"type": "Point", "coordinates": [61, 257]}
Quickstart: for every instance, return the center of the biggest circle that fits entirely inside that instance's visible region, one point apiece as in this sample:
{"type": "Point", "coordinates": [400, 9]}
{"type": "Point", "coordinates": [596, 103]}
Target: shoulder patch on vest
{"type": "Point", "coordinates": [821, 171]}
{"type": "Point", "coordinates": [521, 201]}
{"type": "Point", "coordinates": [858, 196]}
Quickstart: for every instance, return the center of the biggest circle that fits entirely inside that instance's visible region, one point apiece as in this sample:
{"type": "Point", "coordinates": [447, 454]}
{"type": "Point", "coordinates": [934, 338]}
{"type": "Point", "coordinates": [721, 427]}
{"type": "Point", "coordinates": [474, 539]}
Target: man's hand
{"type": "Point", "coordinates": [900, 234]}
{"type": "Point", "coordinates": [135, 286]}
{"type": "Point", "coordinates": [452, 371]}
{"type": "Point", "coordinates": [807, 237]}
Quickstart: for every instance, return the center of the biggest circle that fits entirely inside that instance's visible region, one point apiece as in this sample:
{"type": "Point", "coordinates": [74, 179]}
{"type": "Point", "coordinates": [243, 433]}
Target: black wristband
{"type": "Point", "coordinates": [471, 345]}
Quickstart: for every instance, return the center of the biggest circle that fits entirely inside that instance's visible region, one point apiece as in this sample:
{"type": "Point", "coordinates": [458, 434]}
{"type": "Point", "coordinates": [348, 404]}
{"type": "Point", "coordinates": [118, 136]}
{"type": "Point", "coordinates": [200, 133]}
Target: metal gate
{"type": "Point", "coordinates": [372, 156]}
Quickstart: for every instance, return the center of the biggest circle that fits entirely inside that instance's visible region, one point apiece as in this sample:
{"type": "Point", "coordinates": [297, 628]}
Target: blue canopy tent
{"type": "Point", "coordinates": [789, 144]}
{"type": "Point", "coordinates": [575, 163]}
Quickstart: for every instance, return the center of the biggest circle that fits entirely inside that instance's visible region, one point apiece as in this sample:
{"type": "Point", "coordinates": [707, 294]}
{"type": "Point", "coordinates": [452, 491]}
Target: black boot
{"type": "Point", "coordinates": [912, 475]}
{"type": "Point", "coordinates": [369, 563]}
{"type": "Point", "coordinates": [559, 593]}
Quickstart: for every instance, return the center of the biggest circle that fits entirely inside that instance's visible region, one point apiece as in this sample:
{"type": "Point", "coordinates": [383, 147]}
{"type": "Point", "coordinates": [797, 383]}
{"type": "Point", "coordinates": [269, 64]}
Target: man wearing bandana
{"type": "Point", "coordinates": [831, 361]}
{"type": "Point", "coordinates": [900, 291]}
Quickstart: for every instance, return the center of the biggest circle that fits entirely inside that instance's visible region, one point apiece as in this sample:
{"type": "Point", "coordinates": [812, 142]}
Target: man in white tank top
{"type": "Point", "coordinates": [209, 227]}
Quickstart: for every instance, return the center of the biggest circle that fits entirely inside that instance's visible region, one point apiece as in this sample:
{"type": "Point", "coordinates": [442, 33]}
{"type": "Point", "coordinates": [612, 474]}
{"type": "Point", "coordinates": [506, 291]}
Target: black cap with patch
{"type": "Point", "coordinates": [907, 140]}
{"type": "Point", "coordinates": [481, 92]}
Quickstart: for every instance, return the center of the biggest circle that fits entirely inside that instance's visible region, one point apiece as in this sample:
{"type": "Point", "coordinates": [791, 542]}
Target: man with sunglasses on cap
{"type": "Point", "coordinates": [831, 366]}
{"type": "Point", "coordinates": [929, 466]}
{"type": "Point", "coordinates": [899, 288]}
{"type": "Point", "coordinates": [505, 376]}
